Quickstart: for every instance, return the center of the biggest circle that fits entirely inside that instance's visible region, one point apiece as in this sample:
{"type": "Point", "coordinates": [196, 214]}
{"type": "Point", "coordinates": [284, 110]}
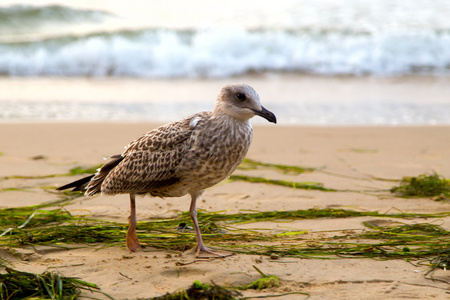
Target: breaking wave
{"type": "Point", "coordinates": [219, 52]}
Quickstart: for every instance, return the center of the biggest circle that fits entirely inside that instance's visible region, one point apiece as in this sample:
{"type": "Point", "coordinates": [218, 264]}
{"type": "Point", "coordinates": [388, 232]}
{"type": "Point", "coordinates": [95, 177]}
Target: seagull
{"type": "Point", "coordinates": [182, 157]}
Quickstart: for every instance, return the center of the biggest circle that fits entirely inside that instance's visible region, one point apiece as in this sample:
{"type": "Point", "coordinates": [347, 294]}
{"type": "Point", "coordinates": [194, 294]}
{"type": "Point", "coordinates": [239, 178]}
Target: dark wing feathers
{"type": "Point", "coordinates": [142, 171]}
{"type": "Point", "coordinates": [79, 185]}
{"type": "Point", "coordinates": [95, 184]}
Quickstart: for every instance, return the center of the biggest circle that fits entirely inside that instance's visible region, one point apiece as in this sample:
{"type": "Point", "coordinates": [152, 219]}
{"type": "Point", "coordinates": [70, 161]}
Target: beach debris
{"type": "Point", "coordinates": [259, 260]}
{"type": "Point", "coordinates": [274, 256]}
{"type": "Point", "coordinates": [441, 261]}
{"type": "Point", "coordinates": [125, 276]}
{"type": "Point", "coordinates": [38, 157]}
{"type": "Point", "coordinates": [182, 157]}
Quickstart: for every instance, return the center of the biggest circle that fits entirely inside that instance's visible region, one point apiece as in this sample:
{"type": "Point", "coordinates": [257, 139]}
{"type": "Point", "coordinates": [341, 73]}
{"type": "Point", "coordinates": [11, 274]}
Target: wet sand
{"type": "Point", "coordinates": [296, 99]}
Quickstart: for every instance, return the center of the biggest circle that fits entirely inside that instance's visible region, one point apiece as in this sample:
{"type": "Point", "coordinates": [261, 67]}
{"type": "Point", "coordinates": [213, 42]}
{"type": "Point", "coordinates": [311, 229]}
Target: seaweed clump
{"type": "Point", "coordinates": [423, 186]}
{"type": "Point", "coordinates": [263, 283]}
{"type": "Point", "coordinates": [19, 285]}
{"type": "Point", "coordinates": [200, 291]}
{"type": "Point", "coordinates": [267, 281]}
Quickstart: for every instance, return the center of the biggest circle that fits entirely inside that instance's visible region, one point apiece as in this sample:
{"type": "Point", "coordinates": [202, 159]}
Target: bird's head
{"type": "Point", "coordinates": [240, 101]}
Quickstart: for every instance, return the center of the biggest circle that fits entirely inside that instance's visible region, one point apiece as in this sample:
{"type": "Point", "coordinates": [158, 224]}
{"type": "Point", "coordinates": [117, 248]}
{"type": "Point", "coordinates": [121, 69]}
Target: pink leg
{"type": "Point", "coordinates": [132, 239]}
{"type": "Point", "coordinates": [202, 251]}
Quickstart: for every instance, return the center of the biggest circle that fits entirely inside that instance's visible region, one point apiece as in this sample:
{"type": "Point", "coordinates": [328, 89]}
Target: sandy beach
{"type": "Point", "coordinates": [352, 158]}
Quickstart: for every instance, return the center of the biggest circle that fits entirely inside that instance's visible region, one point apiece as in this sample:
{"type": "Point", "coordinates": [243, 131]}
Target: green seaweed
{"type": "Point", "coordinates": [291, 184]}
{"type": "Point", "coordinates": [263, 283]}
{"type": "Point", "coordinates": [313, 213]}
{"type": "Point", "coordinates": [58, 228]}
{"type": "Point", "coordinates": [423, 186]}
{"type": "Point", "coordinates": [250, 164]}
{"type": "Point", "coordinates": [13, 189]}
{"type": "Point", "coordinates": [83, 170]}
{"type": "Point", "coordinates": [199, 291]}
{"type": "Point", "coordinates": [71, 233]}
{"type": "Point", "coordinates": [441, 261]}
{"type": "Point", "coordinates": [267, 281]}
{"type": "Point", "coordinates": [414, 231]}
{"type": "Point", "coordinates": [72, 172]}
{"type": "Point", "coordinates": [42, 225]}
{"type": "Point", "coordinates": [20, 285]}
{"type": "Point", "coordinates": [31, 215]}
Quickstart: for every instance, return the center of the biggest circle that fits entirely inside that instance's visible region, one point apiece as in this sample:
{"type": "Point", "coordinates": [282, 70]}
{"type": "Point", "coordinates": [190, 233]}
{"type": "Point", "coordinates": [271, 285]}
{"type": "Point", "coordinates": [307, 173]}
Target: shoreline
{"type": "Point", "coordinates": [268, 84]}
{"type": "Point", "coordinates": [301, 100]}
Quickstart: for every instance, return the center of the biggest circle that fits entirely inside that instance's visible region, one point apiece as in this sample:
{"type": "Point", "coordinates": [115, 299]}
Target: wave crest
{"type": "Point", "coordinates": [227, 52]}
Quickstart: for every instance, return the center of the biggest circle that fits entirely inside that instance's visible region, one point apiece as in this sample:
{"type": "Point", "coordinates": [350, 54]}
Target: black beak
{"type": "Point", "coordinates": [268, 115]}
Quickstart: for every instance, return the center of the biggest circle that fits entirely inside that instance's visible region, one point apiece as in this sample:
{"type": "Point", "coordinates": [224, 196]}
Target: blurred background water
{"type": "Point", "coordinates": [217, 40]}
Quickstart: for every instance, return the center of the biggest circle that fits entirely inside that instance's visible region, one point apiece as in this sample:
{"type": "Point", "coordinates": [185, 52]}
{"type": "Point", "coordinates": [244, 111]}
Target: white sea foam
{"type": "Point", "coordinates": [319, 38]}
{"type": "Point", "coordinates": [228, 52]}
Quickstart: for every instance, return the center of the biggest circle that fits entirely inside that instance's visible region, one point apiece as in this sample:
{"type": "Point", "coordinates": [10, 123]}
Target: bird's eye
{"type": "Point", "coordinates": [241, 96]}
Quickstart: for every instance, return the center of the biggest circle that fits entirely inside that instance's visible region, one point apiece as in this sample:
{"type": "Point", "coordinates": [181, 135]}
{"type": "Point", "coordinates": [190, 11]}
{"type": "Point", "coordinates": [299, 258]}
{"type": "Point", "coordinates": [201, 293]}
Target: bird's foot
{"type": "Point", "coordinates": [204, 252]}
{"type": "Point", "coordinates": [133, 243]}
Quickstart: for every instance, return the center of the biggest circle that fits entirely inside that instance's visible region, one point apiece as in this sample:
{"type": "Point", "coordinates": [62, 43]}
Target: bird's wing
{"type": "Point", "coordinates": [151, 161]}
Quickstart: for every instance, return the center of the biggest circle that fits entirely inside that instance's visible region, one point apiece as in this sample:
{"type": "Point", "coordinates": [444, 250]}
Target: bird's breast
{"type": "Point", "coordinates": [216, 154]}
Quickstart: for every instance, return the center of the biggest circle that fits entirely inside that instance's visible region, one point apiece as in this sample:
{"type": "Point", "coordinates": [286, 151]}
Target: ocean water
{"type": "Point", "coordinates": [166, 40]}
{"type": "Point", "coordinates": [224, 38]}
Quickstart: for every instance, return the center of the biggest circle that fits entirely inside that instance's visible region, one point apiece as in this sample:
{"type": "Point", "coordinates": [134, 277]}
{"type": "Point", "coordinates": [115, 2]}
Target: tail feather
{"type": "Point", "coordinates": [92, 184]}
{"type": "Point", "coordinates": [79, 185]}
{"type": "Point", "coordinates": [95, 185]}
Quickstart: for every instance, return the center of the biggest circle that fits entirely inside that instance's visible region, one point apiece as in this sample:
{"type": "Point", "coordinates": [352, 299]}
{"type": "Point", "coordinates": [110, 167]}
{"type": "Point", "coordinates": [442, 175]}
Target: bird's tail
{"type": "Point", "coordinates": [92, 184]}
{"type": "Point", "coordinates": [79, 185]}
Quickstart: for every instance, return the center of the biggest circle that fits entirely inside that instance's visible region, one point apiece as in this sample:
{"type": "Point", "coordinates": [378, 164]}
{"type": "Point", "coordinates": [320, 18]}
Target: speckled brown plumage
{"type": "Point", "coordinates": [183, 157]}
{"type": "Point", "coordinates": [176, 158]}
